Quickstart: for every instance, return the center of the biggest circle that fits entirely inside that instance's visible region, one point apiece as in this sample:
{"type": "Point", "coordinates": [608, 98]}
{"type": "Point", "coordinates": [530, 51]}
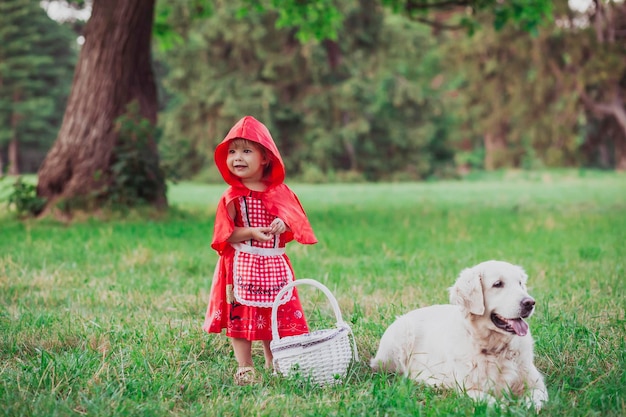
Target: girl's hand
{"type": "Point", "coordinates": [261, 234]}
{"type": "Point", "coordinates": [277, 226]}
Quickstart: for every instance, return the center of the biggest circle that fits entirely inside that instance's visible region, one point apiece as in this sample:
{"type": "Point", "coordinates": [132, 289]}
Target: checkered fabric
{"type": "Point", "coordinates": [258, 278]}
{"type": "Point", "coordinates": [254, 214]}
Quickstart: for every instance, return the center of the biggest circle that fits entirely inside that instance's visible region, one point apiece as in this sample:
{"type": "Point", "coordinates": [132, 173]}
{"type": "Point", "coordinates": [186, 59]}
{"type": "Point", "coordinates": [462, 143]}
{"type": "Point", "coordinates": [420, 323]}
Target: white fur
{"type": "Point", "coordinates": [458, 346]}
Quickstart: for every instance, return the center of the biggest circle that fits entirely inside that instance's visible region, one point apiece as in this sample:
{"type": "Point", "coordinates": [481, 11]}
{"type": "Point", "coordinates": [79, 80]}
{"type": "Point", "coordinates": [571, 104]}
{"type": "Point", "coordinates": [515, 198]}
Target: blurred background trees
{"type": "Point", "coordinates": [361, 105]}
{"type": "Point", "coordinates": [37, 58]}
{"type": "Point", "coordinates": [371, 90]}
{"type": "Point", "coordinates": [394, 98]}
{"type": "Point", "coordinates": [551, 100]}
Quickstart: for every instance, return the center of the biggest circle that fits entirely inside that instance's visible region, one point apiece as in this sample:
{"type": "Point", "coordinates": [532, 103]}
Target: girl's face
{"type": "Point", "coordinates": [246, 160]}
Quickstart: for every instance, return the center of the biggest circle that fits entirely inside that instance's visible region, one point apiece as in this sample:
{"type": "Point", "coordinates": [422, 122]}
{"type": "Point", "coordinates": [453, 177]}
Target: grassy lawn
{"type": "Point", "coordinates": [103, 318]}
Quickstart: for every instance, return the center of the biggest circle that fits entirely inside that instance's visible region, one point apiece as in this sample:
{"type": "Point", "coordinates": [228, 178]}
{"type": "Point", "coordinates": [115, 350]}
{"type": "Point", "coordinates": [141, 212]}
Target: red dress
{"type": "Point", "coordinates": [249, 274]}
{"type": "Point", "coordinates": [246, 282]}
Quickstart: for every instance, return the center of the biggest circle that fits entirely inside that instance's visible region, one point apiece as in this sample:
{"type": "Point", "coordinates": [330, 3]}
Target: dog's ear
{"type": "Point", "coordinates": [467, 291]}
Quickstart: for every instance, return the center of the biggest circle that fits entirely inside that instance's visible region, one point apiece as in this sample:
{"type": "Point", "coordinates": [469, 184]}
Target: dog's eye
{"type": "Point", "coordinates": [498, 284]}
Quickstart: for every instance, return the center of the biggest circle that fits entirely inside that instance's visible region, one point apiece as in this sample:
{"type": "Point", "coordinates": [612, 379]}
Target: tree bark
{"type": "Point", "coordinates": [614, 108]}
{"type": "Point", "coordinates": [13, 157]}
{"type": "Point", "coordinates": [13, 150]}
{"type": "Point", "coordinates": [114, 68]}
{"type": "Point", "coordinates": [495, 146]}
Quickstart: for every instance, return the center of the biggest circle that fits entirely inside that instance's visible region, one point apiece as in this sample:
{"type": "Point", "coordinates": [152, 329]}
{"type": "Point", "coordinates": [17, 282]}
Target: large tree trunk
{"type": "Point", "coordinates": [620, 138]}
{"type": "Point", "coordinates": [13, 151]}
{"type": "Point", "coordinates": [13, 156]}
{"type": "Point", "coordinates": [620, 155]}
{"type": "Point", "coordinates": [495, 147]}
{"type": "Point", "coordinates": [114, 68]}
{"type": "Point", "coordinates": [616, 109]}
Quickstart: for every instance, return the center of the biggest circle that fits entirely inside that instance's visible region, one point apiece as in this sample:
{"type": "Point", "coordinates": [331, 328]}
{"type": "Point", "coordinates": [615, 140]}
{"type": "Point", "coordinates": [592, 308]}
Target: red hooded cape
{"type": "Point", "coordinates": [277, 198]}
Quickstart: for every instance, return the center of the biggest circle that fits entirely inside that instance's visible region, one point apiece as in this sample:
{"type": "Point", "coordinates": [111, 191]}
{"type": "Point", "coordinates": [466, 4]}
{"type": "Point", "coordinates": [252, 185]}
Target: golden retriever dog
{"type": "Point", "coordinates": [479, 344]}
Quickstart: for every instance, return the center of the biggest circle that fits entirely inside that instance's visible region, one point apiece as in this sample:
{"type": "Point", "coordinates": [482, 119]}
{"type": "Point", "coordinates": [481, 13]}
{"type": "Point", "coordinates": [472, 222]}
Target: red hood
{"type": "Point", "coordinates": [251, 129]}
{"type": "Point", "coordinates": [278, 199]}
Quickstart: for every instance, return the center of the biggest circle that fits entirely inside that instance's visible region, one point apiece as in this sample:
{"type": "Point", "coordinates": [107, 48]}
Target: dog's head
{"type": "Point", "coordinates": [495, 290]}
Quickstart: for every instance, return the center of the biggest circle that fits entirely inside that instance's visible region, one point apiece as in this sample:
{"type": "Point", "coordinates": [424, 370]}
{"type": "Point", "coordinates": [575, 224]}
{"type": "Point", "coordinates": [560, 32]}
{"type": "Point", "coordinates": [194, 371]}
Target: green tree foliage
{"type": "Point", "coordinates": [522, 100]}
{"type": "Point", "coordinates": [591, 63]}
{"type": "Point", "coordinates": [37, 56]}
{"type": "Point", "coordinates": [324, 19]}
{"type": "Point", "coordinates": [508, 105]}
{"type": "Point", "coordinates": [319, 19]}
{"type": "Point", "coordinates": [376, 112]}
{"type": "Point", "coordinates": [360, 104]}
{"type": "Point", "coordinates": [115, 68]}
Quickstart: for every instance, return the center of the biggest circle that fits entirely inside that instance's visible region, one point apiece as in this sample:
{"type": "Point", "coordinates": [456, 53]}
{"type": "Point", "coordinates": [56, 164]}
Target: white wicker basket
{"type": "Point", "coordinates": [322, 355]}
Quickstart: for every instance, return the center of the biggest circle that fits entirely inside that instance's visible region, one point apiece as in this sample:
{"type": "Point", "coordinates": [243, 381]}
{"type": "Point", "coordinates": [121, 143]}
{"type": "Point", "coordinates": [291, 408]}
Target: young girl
{"type": "Point", "coordinates": [256, 216]}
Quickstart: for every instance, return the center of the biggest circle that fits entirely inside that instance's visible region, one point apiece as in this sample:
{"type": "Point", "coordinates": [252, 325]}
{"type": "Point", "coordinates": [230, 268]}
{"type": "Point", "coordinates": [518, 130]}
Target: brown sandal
{"type": "Point", "coordinates": [245, 375]}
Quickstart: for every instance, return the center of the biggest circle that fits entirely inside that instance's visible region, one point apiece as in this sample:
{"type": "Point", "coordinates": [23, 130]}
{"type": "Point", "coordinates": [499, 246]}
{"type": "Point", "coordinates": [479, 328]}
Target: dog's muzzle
{"type": "Point", "coordinates": [527, 305]}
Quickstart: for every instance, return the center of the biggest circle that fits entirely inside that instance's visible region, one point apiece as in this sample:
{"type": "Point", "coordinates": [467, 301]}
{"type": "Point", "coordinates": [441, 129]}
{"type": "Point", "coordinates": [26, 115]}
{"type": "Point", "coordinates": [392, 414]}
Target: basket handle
{"type": "Point", "coordinates": [295, 283]}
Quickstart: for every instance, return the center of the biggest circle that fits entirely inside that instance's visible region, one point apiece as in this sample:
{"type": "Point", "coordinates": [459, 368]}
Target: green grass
{"type": "Point", "coordinates": [103, 318]}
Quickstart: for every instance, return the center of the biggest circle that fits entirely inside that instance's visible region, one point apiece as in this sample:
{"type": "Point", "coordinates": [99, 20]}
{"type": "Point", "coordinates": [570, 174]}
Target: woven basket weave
{"type": "Point", "coordinates": [322, 355]}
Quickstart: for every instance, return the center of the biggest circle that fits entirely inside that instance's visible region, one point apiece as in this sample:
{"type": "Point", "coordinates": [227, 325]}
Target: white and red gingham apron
{"type": "Point", "coordinates": [260, 270]}
{"type": "Point", "coordinates": [259, 274]}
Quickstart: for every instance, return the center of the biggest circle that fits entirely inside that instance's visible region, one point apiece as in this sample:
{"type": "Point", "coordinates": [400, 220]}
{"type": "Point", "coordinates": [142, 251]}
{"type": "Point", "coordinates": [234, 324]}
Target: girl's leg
{"type": "Point", "coordinates": [243, 351]}
{"type": "Point", "coordinates": [268, 354]}
{"type": "Point", "coordinates": [243, 354]}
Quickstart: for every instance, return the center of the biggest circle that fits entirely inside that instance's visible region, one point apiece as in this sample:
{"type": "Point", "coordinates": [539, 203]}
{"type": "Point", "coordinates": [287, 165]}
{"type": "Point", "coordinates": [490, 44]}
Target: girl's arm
{"type": "Point", "coordinates": [241, 234]}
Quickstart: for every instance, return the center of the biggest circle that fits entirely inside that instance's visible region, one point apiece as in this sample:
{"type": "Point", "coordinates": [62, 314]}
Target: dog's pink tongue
{"type": "Point", "coordinates": [519, 326]}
